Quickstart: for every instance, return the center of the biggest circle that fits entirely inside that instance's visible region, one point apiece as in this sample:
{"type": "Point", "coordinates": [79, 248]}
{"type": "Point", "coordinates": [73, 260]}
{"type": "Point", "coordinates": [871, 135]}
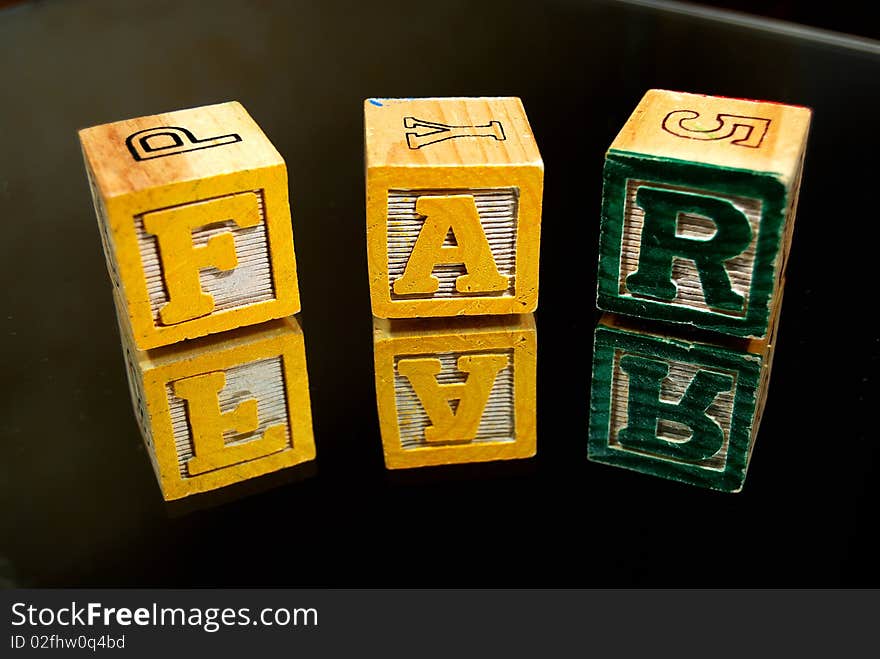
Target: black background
{"type": "Point", "coordinates": [80, 505]}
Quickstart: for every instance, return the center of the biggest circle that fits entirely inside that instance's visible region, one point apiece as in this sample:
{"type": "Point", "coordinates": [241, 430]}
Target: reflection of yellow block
{"type": "Point", "coordinates": [195, 221]}
{"type": "Point", "coordinates": [455, 391]}
{"type": "Point", "coordinates": [454, 189]}
{"type": "Point", "coordinates": [220, 410]}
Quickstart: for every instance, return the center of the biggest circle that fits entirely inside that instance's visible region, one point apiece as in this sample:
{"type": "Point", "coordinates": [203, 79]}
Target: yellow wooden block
{"type": "Point", "coordinates": [454, 189]}
{"type": "Point", "coordinates": [223, 409]}
{"type": "Point", "coordinates": [195, 220]}
{"type": "Point", "coordinates": [456, 390]}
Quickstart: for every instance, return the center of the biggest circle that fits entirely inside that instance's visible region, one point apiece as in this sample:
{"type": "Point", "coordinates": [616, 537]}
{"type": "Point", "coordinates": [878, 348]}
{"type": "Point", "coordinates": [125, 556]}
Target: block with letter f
{"type": "Point", "coordinates": [698, 210]}
{"type": "Point", "coordinates": [194, 216]}
{"type": "Point", "coordinates": [454, 190]}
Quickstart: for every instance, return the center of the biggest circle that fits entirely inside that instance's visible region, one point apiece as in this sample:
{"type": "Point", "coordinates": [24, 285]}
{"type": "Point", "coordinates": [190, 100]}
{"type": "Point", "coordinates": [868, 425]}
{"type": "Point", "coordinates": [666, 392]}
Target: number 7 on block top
{"type": "Point", "coordinates": [698, 209]}
{"type": "Point", "coordinates": [454, 190]}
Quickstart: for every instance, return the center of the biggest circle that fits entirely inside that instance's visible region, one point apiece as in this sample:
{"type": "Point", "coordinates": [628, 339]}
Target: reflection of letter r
{"type": "Point", "coordinates": [645, 409]}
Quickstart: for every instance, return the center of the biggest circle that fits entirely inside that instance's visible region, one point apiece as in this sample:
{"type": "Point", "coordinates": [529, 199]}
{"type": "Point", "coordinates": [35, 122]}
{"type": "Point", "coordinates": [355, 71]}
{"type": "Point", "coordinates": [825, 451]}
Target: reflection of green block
{"type": "Point", "coordinates": [677, 409]}
{"type": "Point", "coordinates": [698, 207]}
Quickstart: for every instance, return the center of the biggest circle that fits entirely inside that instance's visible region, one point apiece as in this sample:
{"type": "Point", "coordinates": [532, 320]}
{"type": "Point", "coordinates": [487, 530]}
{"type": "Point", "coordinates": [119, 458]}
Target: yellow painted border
{"type": "Point", "coordinates": [528, 178]}
{"type": "Point", "coordinates": [121, 212]}
{"type": "Point", "coordinates": [522, 339]}
{"type": "Point", "coordinates": [290, 346]}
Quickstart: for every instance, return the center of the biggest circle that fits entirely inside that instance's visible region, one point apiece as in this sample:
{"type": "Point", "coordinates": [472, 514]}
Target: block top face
{"type": "Point", "coordinates": [734, 133]}
{"type": "Point", "coordinates": [187, 145]}
{"type": "Point", "coordinates": [441, 132]}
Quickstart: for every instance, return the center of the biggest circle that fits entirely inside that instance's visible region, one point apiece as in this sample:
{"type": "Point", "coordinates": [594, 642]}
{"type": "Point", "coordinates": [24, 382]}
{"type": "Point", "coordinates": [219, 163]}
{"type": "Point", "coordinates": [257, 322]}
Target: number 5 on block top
{"type": "Point", "coordinates": [454, 190]}
{"type": "Point", "coordinates": [195, 221]}
{"type": "Point", "coordinates": [698, 210]}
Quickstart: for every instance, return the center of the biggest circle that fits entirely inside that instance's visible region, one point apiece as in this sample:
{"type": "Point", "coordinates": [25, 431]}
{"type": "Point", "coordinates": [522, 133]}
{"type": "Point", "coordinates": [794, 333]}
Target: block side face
{"type": "Point", "coordinates": [137, 154]}
{"type": "Point", "coordinates": [672, 409]}
{"type": "Point", "coordinates": [227, 413]}
{"type": "Point", "coordinates": [453, 241]}
{"type": "Point", "coordinates": [431, 132]}
{"type": "Point", "coordinates": [718, 131]}
{"type": "Point", "coordinates": [194, 263]}
{"type": "Point", "coordinates": [448, 398]}
{"type": "Point", "coordinates": [108, 243]}
{"type": "Point", "coordinates": [715, 236]}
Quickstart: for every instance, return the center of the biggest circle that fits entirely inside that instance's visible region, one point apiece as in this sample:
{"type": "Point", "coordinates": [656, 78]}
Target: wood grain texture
{"type": "Point", "coordinates": [464, 410]}
{"type": "Point", "coordinates": [195, 221]}
{"type": "Point", "coordinates": [255, 379]}
{"type": "Point", "coordinates": [711, 184]}
{"type": "Point", "coordinates": [439, 149]}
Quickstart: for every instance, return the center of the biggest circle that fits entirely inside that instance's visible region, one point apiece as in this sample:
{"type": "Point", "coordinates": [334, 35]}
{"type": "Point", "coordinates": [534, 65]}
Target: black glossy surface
{"type": "Point", "coordinates": [78, 501]}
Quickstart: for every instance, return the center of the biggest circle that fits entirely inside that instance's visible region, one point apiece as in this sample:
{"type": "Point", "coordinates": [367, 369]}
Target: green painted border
{"type": "Point", "coordinates": [621, 166]}
{"type": "Point", "coordinates": [748, 368]}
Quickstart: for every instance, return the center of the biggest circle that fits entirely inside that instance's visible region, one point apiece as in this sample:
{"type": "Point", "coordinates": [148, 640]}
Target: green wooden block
{"type": "Point", "coordinates": [676, 408]}
{"type": "Point", "coordinates": [698, 209]}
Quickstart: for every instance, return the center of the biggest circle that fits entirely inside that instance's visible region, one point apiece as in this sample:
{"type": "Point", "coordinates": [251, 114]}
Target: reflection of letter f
{"type": "Point", "coordinates": [208, 424]}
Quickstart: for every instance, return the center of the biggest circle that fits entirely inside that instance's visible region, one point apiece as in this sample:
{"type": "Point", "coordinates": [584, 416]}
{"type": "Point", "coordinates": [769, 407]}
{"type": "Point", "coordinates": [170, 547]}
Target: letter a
{"type": "Point", "coordinates": [458, 214]}
{"type": "Point", "coordinates": [472, 395]}
{"type": "Point", "coordinates": [181, 260]}
{"type": "Point", "coordinates": [207, 424]}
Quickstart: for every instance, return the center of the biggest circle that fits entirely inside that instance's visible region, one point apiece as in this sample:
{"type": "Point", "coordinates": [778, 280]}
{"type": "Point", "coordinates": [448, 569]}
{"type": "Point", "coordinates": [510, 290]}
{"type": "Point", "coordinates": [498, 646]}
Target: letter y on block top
{"type": "Point", "coordinates": [698, 209]}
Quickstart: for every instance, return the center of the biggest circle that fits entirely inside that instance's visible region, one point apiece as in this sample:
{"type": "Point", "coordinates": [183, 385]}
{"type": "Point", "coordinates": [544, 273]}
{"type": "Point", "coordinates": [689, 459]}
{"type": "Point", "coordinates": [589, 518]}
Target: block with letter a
{"type": "Point", "coordinates": [223, 409]}
{"type": "Point", "coordinates": [698, 210]}
{"type": "Point", "coordinates": [194, 217]}
{"type": "Point", "coordinates": [455, 391]}
{"type": "Point", "coordinates": [454, 188]}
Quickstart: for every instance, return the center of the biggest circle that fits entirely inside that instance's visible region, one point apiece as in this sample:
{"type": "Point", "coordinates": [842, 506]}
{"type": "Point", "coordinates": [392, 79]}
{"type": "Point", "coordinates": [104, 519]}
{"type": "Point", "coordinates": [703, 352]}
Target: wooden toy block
{"type": "Point", "coordinates": [678, 408]}
{"type": "Point", "coordinates": [698, 210]}
{"type": "Point", "coordinates": [223, 409]}
{"type": "Point", "coordinates": [454, 190]}
{"type": "Point", "coordinates": [455, 391]}
{"type": "Point", "coordinates": [194, 216]}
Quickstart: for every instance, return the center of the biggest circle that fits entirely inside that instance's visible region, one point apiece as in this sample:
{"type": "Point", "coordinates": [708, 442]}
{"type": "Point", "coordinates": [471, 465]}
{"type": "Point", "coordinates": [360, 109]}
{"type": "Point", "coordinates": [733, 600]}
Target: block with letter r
{"type": "Point", "coordinates": [676, 408]}
{"type": "Point", "coordinates": [698, 210]}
